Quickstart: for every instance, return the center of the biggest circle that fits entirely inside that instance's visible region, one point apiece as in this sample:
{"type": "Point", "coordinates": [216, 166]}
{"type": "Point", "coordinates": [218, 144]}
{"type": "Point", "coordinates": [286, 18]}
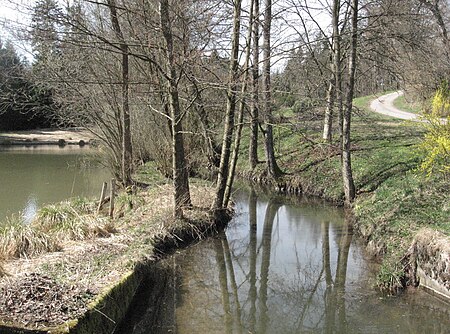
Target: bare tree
{"type": "Point", "coordinates": [230, 110]}
{"type": "Point", "coordinates": [127, 151]}
{"type": "Point", "coordinates": [180, 175]}
{"type": "Point", "coordinates": [333, 93]}
{"type": "Point", "coordinates": [272, 166]}
{"type": "Point", "coordinates": [242, 105]}
{"type": "Point", "coordinates": [254, 106]}
{"type": "Point", "coordinates": [347, 174]}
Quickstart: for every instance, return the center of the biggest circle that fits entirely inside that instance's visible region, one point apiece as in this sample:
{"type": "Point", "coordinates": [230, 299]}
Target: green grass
{"type": "Point", "coordinates": [402, 103]}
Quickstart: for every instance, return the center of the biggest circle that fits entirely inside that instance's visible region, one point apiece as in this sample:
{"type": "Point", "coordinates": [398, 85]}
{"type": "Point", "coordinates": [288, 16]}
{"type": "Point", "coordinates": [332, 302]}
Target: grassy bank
{"type": "Point", "coordinates": [393, 200]}
{"type": "Point", "coordinates": [84, 257]}
{"type": "Point", "coordinates": [403, 103]}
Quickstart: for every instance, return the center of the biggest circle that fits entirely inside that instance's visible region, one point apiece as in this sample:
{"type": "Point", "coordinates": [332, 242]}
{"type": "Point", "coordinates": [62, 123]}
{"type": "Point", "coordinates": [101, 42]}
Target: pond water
{"type": "Point", "coordinates": [33, 176]}
{"type": "Point", "coordinates": [282, 266]}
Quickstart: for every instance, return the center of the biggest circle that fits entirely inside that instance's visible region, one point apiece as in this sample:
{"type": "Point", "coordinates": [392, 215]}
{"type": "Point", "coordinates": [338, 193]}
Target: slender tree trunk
{"type": "Point", "coordinates": [182, 197]}
{"type": "Point", "coordinates": [272, 167]}
{"type": "Point", "coordinates": [127, 150]}
{"type": "Point", "coordinates": [338, 73]}
{"type": "Point", "coordinates": [339, 101]}
{"type": "Point", "coordinates": [347, 175]}
{"type": "Point", "coordinates": [332, 88]}
{"type": "Point", "coordinates": [237, 137]}
{"type": "Point", "coordinates": [212, 148]}
{"type": "Point", "coordinates": [230, 111]}
{"type": "Point", "coordinates": [437, 13]}
{"type": "Point", "coordinates": [328, 121]}
{"type": "Point", "coordinates": [254, 108]}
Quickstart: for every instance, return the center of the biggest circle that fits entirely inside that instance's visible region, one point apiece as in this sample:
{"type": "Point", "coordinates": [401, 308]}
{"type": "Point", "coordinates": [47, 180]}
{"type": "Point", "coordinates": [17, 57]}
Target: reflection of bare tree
{"type": "Point", "coordinates": [237, 287]}
{"type": "Point", "coordinates": [335, 310]}
{"type": "Point", "coordinates": [253, 254]}
{"type": "Point", "coordinates": [229, 262]}
{"type": "Point", "coordinates": [271, 211]}
{"type": "Point", "coordinates": [223, 281]}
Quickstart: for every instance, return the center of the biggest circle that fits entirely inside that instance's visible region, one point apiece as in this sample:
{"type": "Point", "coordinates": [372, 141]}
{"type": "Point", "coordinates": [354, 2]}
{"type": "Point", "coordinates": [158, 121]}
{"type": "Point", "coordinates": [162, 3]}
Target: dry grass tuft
{"type": "Point", "coordinates": [20, 240]}
{"type": "Point", "coordinates": [54, 224]}
{"type": "Point", "coordinates": [72, 221]}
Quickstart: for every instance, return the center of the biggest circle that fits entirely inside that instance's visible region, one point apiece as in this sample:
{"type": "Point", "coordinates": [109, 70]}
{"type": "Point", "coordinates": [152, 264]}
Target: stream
{"type": "Point", "coordinates": [282, 266]}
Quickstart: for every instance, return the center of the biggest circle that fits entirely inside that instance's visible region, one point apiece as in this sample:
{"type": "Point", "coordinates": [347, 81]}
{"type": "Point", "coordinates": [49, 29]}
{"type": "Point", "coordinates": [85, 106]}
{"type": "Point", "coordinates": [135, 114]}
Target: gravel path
{"type": "Point", "coordinates": [384, 105]}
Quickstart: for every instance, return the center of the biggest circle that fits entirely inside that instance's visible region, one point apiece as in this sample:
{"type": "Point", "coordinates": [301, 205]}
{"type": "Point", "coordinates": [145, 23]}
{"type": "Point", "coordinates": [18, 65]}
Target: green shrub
{"type": "Point", "coordinates": [436, 143]}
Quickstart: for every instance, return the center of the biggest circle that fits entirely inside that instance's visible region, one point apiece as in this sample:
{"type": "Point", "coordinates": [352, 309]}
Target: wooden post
{"type": "Point", "coordinates": [102, 196]}
{"type": "Point", "coordinates": [111, 198]}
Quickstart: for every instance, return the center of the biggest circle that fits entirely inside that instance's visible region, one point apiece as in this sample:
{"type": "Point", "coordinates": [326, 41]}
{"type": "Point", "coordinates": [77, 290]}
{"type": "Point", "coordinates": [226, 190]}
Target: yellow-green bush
{"type": "Point", "coordinates": [436, 142]}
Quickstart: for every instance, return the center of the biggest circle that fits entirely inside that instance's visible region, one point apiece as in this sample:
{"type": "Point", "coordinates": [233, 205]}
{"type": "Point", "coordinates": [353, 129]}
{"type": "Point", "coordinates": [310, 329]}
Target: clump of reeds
{"type": "Point", "coordinates": [72, 220]}
{"type": "Point", "coordinates": [54, 224]}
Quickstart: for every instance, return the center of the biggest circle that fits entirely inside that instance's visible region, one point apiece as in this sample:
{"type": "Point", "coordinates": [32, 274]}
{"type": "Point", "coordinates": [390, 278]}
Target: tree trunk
{"type": "Point", "coordinates": [182, 197]}
{"type": "Point", "coordinates": [212, 148]}
{"type": "Point", "coordinates": [230, 111]}
{"type": "Point", "coordinates": [254, 108]}
{"type": "Point", "coordinates": [237, 137]}
{"type": "Point", "coordinates": [272, 167]}
{"type": "Point", "coordinates": [347, 175]}
{"type": "Point", "coordinates": [332, 89]}
{"type": "Point", "coordinates": [328, 121]}
{"type": "Point", "coordinates": [127, 151]}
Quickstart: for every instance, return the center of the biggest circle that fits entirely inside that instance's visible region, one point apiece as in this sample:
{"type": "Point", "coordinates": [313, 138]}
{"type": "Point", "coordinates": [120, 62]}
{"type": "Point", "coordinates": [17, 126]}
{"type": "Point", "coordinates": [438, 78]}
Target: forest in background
{"type": "Point", "coordinates": [176, 82]}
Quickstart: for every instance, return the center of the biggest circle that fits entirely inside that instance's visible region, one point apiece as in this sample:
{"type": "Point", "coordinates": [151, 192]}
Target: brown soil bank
{"type": "Point", "coordinates": [430, 261]}
{"type": "Point", "coordinates": [88, 286]}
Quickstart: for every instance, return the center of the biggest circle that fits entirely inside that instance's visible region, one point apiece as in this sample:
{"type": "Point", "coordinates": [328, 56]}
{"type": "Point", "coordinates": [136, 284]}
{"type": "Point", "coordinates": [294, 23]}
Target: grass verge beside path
{"type": "Point", "coordinates": [402, 104]}
{"type": "Point", "coordinates": [393, 200]}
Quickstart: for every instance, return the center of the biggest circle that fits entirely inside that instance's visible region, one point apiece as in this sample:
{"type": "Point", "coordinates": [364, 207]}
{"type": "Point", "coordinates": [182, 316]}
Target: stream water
{"type": "Point", "coordinates": [282, 266]}
{"type": "Point", "coordinates": [33, 176]}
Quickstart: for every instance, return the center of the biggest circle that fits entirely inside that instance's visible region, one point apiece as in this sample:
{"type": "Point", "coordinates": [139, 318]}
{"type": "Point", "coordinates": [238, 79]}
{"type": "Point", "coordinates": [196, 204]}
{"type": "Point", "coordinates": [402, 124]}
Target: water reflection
{"type": "Point", "coordinates": [279, 268]}
{"type": "Point", "coordinates": [30, 210]}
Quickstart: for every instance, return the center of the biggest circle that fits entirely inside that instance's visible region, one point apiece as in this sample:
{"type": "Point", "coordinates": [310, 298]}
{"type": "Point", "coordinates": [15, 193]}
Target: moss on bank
{"type": "Point", "coordinates": [106, 269]}
{"type": "Point", "coordinates": [393, 200]}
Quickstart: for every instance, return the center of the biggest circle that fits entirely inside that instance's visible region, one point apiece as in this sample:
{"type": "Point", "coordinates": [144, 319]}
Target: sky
{"type": "Point", "coordinates": [10, 14]}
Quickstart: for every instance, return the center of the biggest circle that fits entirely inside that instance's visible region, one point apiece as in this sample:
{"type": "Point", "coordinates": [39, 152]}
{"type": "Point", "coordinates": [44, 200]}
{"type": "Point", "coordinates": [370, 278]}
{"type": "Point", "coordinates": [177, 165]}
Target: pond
{"type": "Point", "coordinates": [33, 176]}
{"type": "Point", "coordinates": [282, 266]}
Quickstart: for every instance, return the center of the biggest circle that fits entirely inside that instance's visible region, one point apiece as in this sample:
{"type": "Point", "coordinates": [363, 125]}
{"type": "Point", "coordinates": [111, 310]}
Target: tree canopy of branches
{"type": "Point", "coordinates": [170, 81]}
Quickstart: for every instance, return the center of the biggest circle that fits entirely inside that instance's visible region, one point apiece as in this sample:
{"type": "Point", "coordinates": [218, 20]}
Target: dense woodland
{"type": "Point", "coordinates": [181, 83]}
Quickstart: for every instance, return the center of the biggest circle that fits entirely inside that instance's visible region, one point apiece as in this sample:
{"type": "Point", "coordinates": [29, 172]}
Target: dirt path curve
{"type": "Point", "coordinates": [384, 105]}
